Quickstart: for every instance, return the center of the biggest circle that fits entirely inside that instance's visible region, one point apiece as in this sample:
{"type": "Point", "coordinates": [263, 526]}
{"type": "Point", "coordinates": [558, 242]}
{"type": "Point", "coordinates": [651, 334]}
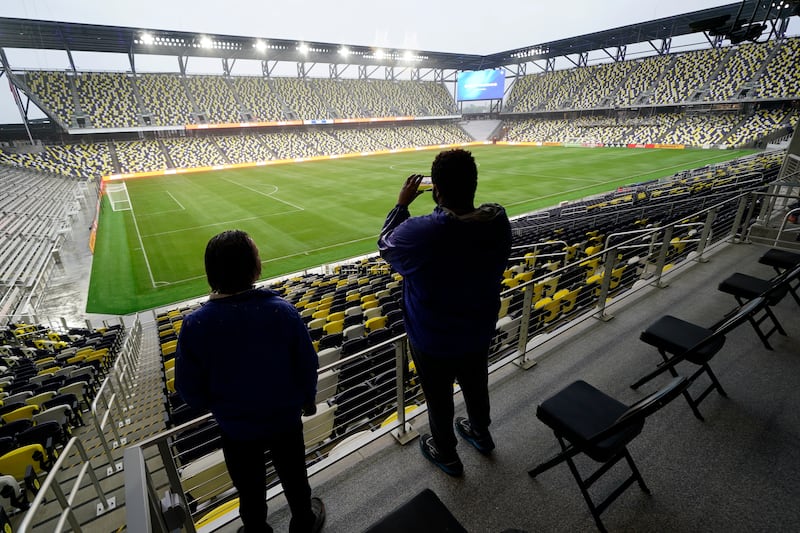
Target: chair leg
{"type": "Point", "coordinates": [714, 379]}
{"type": "Point", "coordinates": [586, 496]}
{"type": "Point", "coordinates": [566, 454]}
{"type": "Point", "coordinates": [636, 472]}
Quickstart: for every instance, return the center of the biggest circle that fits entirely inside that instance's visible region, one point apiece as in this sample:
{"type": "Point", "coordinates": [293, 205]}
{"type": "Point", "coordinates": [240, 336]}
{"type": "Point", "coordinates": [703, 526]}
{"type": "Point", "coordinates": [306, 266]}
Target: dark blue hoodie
{"type": "Point", "coordinates": [452, 266]}
{"type": "Point", "coordinates": [248, 358]}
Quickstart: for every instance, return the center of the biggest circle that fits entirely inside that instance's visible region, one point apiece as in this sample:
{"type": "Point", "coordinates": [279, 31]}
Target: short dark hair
{"type": "Point", "coordinates": [232, 262]}
{"type": "Point", "coordinates": [455, 175]}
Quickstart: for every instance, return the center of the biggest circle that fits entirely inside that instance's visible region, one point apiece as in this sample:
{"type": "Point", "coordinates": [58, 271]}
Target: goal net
{"type": "Point", "coordinates": [118, 196]}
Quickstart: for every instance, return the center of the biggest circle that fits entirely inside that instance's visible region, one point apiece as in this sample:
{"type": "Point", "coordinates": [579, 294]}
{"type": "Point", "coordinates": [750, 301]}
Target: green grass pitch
{"type": "Point", "coordinates": [307, 214]}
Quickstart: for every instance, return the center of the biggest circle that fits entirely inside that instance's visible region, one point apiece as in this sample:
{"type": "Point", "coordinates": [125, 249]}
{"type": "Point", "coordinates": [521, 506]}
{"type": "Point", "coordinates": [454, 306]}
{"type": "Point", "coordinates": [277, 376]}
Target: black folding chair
{"type": "Point", "coordinates": [686, 341]}
{"type": "Point", "coordinates": [588, 421]}
{"type": "Point", "coordinates": [424, 513]}
{"type": "Point", "coordinates": [782, 260]}
{"type": "Point", "coordinates": [745, 287]}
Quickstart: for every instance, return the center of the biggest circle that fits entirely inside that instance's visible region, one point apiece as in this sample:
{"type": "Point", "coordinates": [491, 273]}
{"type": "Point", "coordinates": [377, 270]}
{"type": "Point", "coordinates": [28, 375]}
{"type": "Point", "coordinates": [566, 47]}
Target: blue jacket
{"type": "Point", "coordinates": [452, 267]}
{"type": "Point", "coordinates": [247, 358]}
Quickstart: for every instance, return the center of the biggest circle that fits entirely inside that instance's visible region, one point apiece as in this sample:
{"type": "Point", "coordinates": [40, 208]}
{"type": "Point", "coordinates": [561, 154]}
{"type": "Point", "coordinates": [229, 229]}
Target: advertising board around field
{"type": "Point", "coordinates": [657, 145]}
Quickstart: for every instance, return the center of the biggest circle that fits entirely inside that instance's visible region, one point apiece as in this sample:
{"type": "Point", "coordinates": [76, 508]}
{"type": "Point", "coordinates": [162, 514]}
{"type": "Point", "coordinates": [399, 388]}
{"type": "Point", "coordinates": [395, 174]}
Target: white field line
{"type": "Point", "coordinates": [176, 201]}
{"type": "Point", "coordinates": [371, 237]}
{"type": "Point", "coordinates": [180, 205]}
{"type": "Point", "coordinates": [224, 223]}
{"type": "Point", "coordinates": [306, 252]}
{"type": "Point", "coordinates": [144, 252]}
{"type": "Point", "coordinates": [603, 183]}
{"type": "Point", "coordinates": [265, 194]}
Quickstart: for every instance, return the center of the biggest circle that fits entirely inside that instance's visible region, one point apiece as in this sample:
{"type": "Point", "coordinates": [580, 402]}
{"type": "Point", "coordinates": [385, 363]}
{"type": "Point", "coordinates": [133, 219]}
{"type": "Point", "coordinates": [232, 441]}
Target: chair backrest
{"type": "Point", "coordinates": [330, 340]}
{"type": "Point", "coordinates": [653, 402]}
{"type": "Point", "coordinates": [377, 322]}
{"type": "Point", "coordinates": [20, 413]}
{"type": "Point", "coordinates": [328, 356]}
{"type": "Point", "coordinates": [12, 428]}
{"type": "Point", "coordinates": [40, 398]}
{"type": "Point", "coordinates": [352, 346]}
{"type": "Point", "coordinates": [326, 385]}
{"type": "Point", "coordinates": [77, 388]}
{"type": "Point", "coordinates": [58, 413]}
{"type": "Point", "coordinates": [16, 462]}
{"type": "Point", "coordinates": [738, 316]}
{"type": "Point", "coordinates": [319, 426]}
{"type": "Point", "coordinates": [41, 434]}
{"type": "Point", "coordinates": [354, 331]}
{"type": "Point", "coordinates": [84, 372]}
{"type": "Point", "coordinates": [205, 477]}
{"type": "Point", "coordinates": [17, 397]}
{"type": "Point", "coordinates": [781, 284]}
{"type": "Point", "coordinates": [729, 322]}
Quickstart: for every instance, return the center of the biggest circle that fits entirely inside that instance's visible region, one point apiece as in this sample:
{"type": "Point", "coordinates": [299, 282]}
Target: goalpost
{"type": "Point", "coordinates": [118, 196]}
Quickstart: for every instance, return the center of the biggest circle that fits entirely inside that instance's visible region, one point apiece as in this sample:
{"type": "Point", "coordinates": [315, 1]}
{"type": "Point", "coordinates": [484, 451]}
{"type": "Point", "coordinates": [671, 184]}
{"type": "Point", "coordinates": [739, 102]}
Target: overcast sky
{"type": "Point", "coordinates": [467, 26]}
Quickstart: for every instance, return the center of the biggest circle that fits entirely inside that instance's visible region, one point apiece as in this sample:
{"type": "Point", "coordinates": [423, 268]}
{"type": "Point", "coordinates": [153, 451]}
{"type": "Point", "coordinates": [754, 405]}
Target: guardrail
{"type": "Point", "coordinates": [66, 496]}
{"type": "Point", "coordinates": [108, 410]}
{"type": "Point", "coordinates": [375, 392]}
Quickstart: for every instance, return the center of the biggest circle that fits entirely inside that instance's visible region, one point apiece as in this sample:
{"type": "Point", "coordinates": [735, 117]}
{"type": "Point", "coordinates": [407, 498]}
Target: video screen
{"type": "Point", "coordinates": [486, 84]}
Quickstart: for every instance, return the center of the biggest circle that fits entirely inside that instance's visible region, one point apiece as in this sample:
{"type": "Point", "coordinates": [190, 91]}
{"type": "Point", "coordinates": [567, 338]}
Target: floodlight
{"type": "Point", "coordinates": [379, 54]}
{"type": "Point", "coordinates": [261, 46]}
{"type": "Point", "coordinates": [147, 38]}
{"type": "Point", "coordinates": [408, 55]}
{"type": "Point", "coordinates": [302, 48]}
{"type": "Point", "coordinates": [344, 51]}
{"type": "Point", "coordinates": [206, 42]}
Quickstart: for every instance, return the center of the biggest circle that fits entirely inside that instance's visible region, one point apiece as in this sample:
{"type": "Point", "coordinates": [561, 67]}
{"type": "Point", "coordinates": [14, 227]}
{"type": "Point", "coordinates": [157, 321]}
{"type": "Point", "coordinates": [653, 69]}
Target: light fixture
{"type": "Point", "coordinates": [379, 54]}
{"type": "Point", "coordinates": [206, 42]}
{"type": "Point", "coordinates": [261, 46]}
{"type": "Point", "coordinates": [147, 38]}
{"type": "Point", "coordinates": [344, 51]}
{"type": "Point", "coordinates": [302, 48]}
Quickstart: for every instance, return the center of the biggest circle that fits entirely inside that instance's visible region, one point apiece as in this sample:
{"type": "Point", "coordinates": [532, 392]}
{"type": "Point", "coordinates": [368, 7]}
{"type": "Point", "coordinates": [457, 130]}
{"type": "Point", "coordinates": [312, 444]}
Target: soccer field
{"type": "Point", "coordinates": [307, 214]}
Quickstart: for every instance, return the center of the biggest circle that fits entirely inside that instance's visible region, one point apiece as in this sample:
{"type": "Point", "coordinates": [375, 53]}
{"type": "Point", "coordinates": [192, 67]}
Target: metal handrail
{"type": "Point", "coordinates": [522, 348]}
{"type": "Point", "coordinates": [65, 502]}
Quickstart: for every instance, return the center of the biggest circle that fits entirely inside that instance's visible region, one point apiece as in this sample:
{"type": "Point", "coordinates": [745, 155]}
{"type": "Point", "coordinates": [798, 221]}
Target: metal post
{"type": "Point", "coordinates": [522, 343]}
{"type": "Point", "coordinates": [175, 481]}
{"type": "Point", "coordinates": [662, 258]}
{"type": "Point", "coordinates": [605, 284]}
{"type": "Point", "coordinates": [701, 246]}
{"type": "Point", "coordinates": [737, 221]}
{"type": "Point", "coordinates": [404, 433]}
{"type": "Point", "coordinates": [92, 475]}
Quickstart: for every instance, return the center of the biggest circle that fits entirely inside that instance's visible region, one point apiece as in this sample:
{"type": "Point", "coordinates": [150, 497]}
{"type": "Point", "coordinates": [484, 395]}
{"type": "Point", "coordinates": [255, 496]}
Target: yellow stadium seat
{"type": "Point", "coordinates": [377, 322]}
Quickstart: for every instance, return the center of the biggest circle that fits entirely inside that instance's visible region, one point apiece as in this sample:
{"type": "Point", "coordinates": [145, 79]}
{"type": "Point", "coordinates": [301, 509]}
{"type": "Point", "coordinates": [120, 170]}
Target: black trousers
{"type": "Point", "coordinates": [247, 467]}
{"type": "Point", "coordinates": [437, 376]}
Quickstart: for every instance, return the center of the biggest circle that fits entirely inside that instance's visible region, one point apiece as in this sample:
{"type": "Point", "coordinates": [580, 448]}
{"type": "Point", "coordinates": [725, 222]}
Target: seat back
{"type": "Point", "coordinates": [728, 323]}
{"type": "Point", "coordinates": [16, 462]}
{"type": "Point", "coordinates": [781, 284]}
{"type": "Point", "coordinates": [736, 317]}
{"type": "Point", "coordinates": [651, 403]}
{"type": "Point", "coordinates": [205, 477]}
{"type": "Point", "coordinates": [319, 426]}
{"type": "Point", "coordinates": [40, 398]}
{"type": "Point", "coordinates": [25, 412]}
{"type": "Point", "coordinates": [58, 413]}
{"type": "Point", "coordinates": [326, 385]}
{"type": "Point", "coordinates": [328, 356]}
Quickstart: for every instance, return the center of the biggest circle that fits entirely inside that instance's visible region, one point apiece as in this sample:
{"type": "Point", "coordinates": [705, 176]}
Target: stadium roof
{"type": "Point", "coordinates": [718, 21]}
